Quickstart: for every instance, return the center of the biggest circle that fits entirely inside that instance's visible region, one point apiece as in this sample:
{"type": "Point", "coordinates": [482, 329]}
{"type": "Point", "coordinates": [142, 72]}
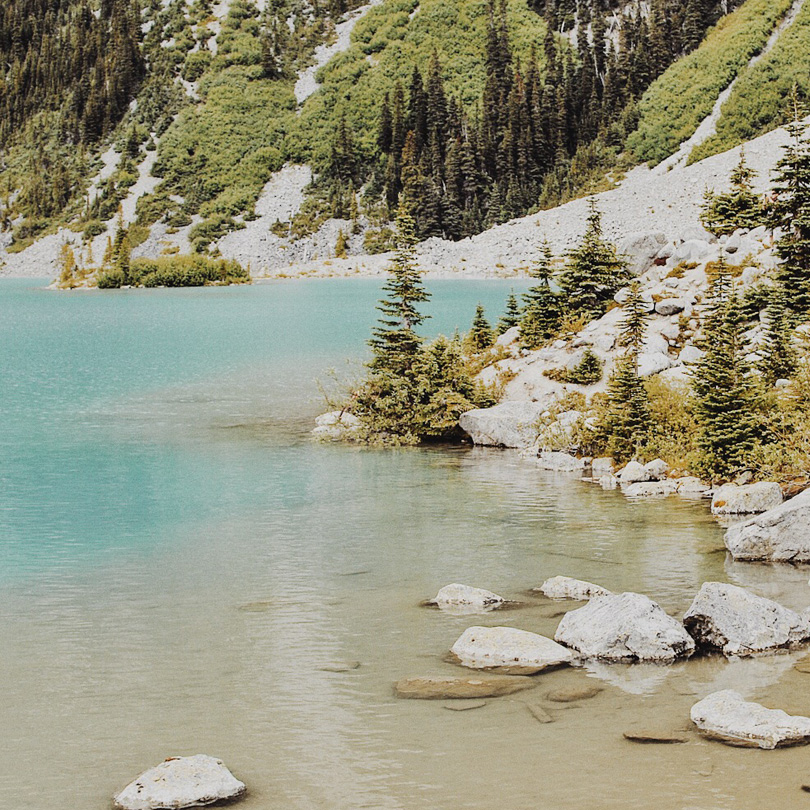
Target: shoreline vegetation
{"type": "Point", "coordinates": [736, 415]}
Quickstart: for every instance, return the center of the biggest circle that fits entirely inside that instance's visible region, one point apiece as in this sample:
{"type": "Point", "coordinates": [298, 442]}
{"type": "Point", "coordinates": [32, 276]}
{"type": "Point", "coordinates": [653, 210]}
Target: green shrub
{"type": "Point", "coordinates": [587, 372]}
{"type": "Point", "coordinates": [110, 279]}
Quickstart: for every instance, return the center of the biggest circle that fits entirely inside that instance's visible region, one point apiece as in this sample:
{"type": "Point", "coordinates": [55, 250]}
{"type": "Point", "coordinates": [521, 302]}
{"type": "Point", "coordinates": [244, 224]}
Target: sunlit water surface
{"type": "Point", "coordinates": [179, 561]}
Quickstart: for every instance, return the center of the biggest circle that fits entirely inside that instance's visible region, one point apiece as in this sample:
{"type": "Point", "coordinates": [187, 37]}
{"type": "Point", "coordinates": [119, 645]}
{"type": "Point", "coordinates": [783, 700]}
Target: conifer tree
{"type": "Point", "coordinates": [340, 245]}
{"type": "Point", "coordinates": [725, 397]}
{"type": "Point", "coordinates": [511, 315]}
{"type": "Point", "coordinates": [593, 271]}
{"type": "Point", "coordinates": [739, 208]}
{"type": "Point", "coordinates": [779, 355]}
{"type": "Point", "coordinates": [542, 310]}
{"type": "Point", "coordinates": [791, 213]}
{"type": "Point", "coordinates": [480, 336]}
{"type": "Point", "coordinates": [627, 419]}
{"type": "Point", "coordinates": [395, 343]}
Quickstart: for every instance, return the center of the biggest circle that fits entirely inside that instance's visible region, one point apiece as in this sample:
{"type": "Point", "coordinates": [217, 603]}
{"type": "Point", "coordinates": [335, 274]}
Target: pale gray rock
{"type": "Point", "coordinates": [732, 244]}
{"type": "Point", "coordinates": [651, 489]}
{"type": "Point", "coordinates": [336, 425]}
{"type": "Point", "coordinates": [457, 596]}
{"type": "Point", "coordinates": [690, 354]}
{"type": "Point", "coordinates": [560, 462]}
{"type": "Point", "coordinates": [608, 482]}
{"type": "Point", "coordinates": [649, 364]}
{"type": "Point", "coordinates": [509, 337]}
{"type": "Point", "coordinates": [749, 499]}
{"type": "Point", "coordinates": [725, 716]}
{"type": "Point", "coordinates": [624, 627]}
{"type": "Point", "coordinates": [633, 472]}
{"type": "Point", "coordinates": [670, 306]}
{"type": "Point", "coordinates": [640, 249]}
{"type": "Point", "coordinates": [731, 619]}
{"type": "Point", "coordinates": [602, 466]}
{"type": "Point", "coordinates": [655, 343]}
{"type": "Point", "coordinates": [180, 782]}
{"type": "Point", "coordinates": [507, 648]}
{"type": "Point", "coordinates": [510, 424]}
{"type": "Point", "coordinates": [568, 588]}
{"type": "Point", "coordinates": [605, 343]}
{"type": "Point", "coordinates": [657, 468]}
{"type": "Point", "coordinates": [690, 485]}
{"type": "Point", "coordinates": [692, 250]}
{"type": "Point", "coordinates": [778, 535]}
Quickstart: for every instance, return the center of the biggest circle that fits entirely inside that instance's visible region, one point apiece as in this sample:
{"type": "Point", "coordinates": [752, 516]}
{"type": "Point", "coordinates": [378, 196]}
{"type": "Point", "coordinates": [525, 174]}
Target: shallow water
{"type": "Point", "coordinates": [179, 561]}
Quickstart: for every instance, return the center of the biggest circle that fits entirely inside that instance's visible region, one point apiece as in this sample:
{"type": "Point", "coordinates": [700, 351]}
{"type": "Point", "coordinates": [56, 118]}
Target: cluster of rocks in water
{"type": "Point", "coordinates": [626, 628]}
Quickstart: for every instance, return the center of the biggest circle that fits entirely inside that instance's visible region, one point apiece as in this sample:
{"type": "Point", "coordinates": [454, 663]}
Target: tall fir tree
{"type": "Point", "coordinates": [740, 207]}
{"type": "Point", "coordinates": [593, 271]}
{"type": "Point", "coordinates": [511, 314]}
{"type": "Point", "coordinates": [778, 352]}
{"type": "Point", "coordinates": [542, 308]}
{"type": "Point", "coordinates": [725, 395]}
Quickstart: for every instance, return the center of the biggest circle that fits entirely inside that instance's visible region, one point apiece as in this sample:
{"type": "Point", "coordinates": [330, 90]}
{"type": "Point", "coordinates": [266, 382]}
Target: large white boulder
{"type": "Point", "coordinates": [466, 598]}
{"type": "Point", "coordinates": [602, 466]}
{"type": "Point", "coordinates": [727, 717]}
{"type": "Point", "coordinates": [640, 249]}
{"type": "Point", "coordinates": [691, 485]}
{"type": "Point", "coordinates": [633, 472]}
{"type": "Point", "coordinates": [692, 250]}
{"type": "Point", "coordinates": [624, 627]}
{"type": "Point", "coordinates": [748, 499]}
{"type": "Point", "coordinates": [731, 619]}
{"type": "Point", "coordinates": [568, 588]}
{"type": "Point", "coordinates": [560, 462]}
{"type": "Point", "coordinates": [336, 425]}
{"type": "Point", "coordinates": [651, 489]}
{"type": "Point", "coordinates": [653, 363]}
{"type": "Point", "coordinates": [670, 306]}
{"type": "Point", "coordinates": [657, 468]}
{"type": "Point", "coordinates": [510, 424]}
{"type": "Point", "coordinates": [690, 354]}
{"type": "Point", "coordinates": [181, 782]}
{"type": "Point", "coordinates": [781, 534]}
{"type": "Point", "coordinates": [507, 648]}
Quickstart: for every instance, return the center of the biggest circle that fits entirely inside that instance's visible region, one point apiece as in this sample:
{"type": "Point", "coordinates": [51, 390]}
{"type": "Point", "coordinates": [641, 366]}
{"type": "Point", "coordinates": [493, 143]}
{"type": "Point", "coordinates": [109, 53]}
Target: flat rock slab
{"type": "Point", "coordinates": [655, 736]}
{"type": "Point", "coordinates": [465, 706]}
{"type": "Point", "coordinates": [508, 649]}
{"type": "Point", "coordinates": [725, 716]}
{"type": "Point", "coordinates": [573, 693]}
{"type": "Point", "coordinates": [624, 627]}
{"type": "Point", "coordinates": [180, 782]}
{"type": "Point", "coordinates": [539, 713]}
{"type": "Point", "coordinates": [568, 588]}
{"type": "Point", "coordinates": [340, 666]}
{"type": "Point", "coordinates": [748, 499]}
{"type": "Point", "coordinates": [728, 618]}
{"type": "Point", "coordinates": [444, 688]}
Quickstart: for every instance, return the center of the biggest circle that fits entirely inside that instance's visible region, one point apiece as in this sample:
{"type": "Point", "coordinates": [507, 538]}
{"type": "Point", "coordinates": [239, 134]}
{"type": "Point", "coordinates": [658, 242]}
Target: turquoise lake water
{"type": "Point", "coordinates": [179, 562]}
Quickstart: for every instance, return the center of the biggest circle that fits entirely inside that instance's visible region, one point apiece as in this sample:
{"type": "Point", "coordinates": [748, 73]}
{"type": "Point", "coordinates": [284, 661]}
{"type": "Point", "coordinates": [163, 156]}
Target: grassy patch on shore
{"type": "Point", "coordinates": [175, 271]}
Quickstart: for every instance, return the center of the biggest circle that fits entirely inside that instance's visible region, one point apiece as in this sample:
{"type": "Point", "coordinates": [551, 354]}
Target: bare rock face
{"type": "Point", "coordinates": [444, 688]}
{"type": "Point", "coordinates": [466, 599]}
{"type": "Point", "coordinates": [749, 499]}
{"type": "Point", "coordinates": [624, 627]}
{"type": "Point", "coordinates": [508, 649]}
{"type": "Point", "coordinates": [781, 534]}
{"type": "Point", "coordinates": [729, 618]}
{"type": "Point", "coordinates": [181, 782]}
{"type": "Point", "coordinates": [725, 716]}
{"type": "Point", "coordinates": [567, 588]}
{"type": "Point", "coordinates": [510, 424]}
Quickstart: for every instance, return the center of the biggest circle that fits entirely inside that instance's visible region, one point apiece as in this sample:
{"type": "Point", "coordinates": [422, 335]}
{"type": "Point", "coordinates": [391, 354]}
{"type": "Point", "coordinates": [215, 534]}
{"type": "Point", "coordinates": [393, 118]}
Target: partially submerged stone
{"type": "Point", "coordinates": [748, 499]}
{"type": "Point", "coordinates": [465, 705]}
{"type": "Point", "coordinates": [539, 713]}
{"type": "Point", "coordinates": [508, 649]}
{"type": "Point", "coordinates": [602, 466]}
{"type": "Point", "coordinates": [690, 485]}
{"type": "Point", "coordinates": [571, 694]}
{"type": "Point", "coordinates": [624, 627]}
{"type": "Point", "coordinates": [448, 688]}
{"type": "Point", "coordinates": [466, 598]}
{"type": "Point", "coordinates": [657, 468]}
{"type": "Point", "coordinates": [651, 489]}
{"type": "Point", "coordinates": [568, 588]}
{"type": "Point", "coordinates": [781, 534]}
{"type": "Point", "coordinates": [633, 472]}
{"type": "Point", "coordinates": [560, 462]}
{"type": "Point", "coordinates": [657, 736]}
{"type": "Point", "coordinates": [180, 782]}
{"type": "Point", "coordinates": [725, 716]}
{"type": "Point", "coordinates": [336, 425]}
{"type": "Point", "coordinates": [729, 618]}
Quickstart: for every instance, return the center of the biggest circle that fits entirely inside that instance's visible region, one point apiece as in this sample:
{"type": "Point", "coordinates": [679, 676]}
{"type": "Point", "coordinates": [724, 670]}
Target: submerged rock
{"type": "Point", "coordinates": [573, 693]}
{"type": "Point", "coordinates": [560, 462]}
{"type": "Point", "coordinates": [729, 618]}
{"type": "Point", "coordinates": [660, 736]}
{"type": "Point", "coordinates": [725, 716]}
{"type": "Point", "coordinates": [181, 782]}
{"type": "Point", "coordinates": [624, 627]}
{"type": "Point", "coordinates": [781, 534]}
{"type": "Point", "coordinates": [749, 499]}
{"type": "Point", "coordinates": [508, 648]}
{"type": "Point", "coordinates": [446, 688]}
{"type": "Point", "coordinates": [510, 424]}
{"type": "Point", "coordinates": [567, 588]}
{"type": "Point", "coordinates": [465, 706]}
{"type": "Point", "coordinates": [539, 713]}
{"type": "Point", "coordinates": [466, 598]}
